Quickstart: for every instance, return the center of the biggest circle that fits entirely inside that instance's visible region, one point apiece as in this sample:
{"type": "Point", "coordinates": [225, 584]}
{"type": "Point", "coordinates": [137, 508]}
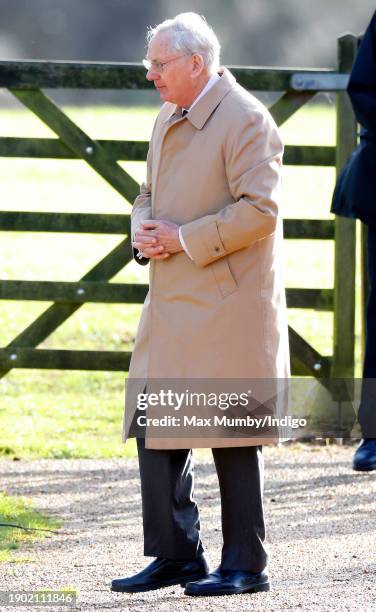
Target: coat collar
{"type": "Point", "coordinates": [202, 110]}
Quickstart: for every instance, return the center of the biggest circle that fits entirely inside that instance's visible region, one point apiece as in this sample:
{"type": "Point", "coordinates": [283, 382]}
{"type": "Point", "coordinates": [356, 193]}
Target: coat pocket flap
{"type": "Point", "coordinates": [224, 278]}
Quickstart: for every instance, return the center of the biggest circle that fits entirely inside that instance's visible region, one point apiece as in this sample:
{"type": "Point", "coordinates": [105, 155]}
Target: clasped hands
{"type": "Point", "coordinates": [157, 239]}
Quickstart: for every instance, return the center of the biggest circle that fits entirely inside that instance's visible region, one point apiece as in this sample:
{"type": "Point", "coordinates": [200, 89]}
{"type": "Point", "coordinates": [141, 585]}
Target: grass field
{"type": "Point", "coordinates": [19, 511]}
{"type": "Point", "coordinates": [79, 414]}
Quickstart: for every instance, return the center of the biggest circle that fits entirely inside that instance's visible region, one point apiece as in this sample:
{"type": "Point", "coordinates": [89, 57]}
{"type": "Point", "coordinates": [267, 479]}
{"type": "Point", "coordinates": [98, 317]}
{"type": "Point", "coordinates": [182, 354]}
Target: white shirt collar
{"type": "Point", "coordinates": [212, 81]}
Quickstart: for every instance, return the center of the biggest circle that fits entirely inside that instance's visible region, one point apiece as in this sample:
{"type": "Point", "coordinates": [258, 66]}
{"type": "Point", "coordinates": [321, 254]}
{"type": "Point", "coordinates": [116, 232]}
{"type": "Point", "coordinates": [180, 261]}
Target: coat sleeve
{"type": "Point", "coordinates": [362, 82]}
{"type": "Point", "coordinates": [253, 157]}
{"type": "Point", "coordinates": [141, 210]}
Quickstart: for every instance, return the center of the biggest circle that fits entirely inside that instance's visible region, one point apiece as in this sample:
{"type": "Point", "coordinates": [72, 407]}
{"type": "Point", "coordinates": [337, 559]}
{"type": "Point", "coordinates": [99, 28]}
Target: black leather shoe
{"type": "Point", "coordinates": [365, 456]}
{"type": "Point", "coordinates": [162, 573]}
{"type": "Point", "coordinates": [229, 582]}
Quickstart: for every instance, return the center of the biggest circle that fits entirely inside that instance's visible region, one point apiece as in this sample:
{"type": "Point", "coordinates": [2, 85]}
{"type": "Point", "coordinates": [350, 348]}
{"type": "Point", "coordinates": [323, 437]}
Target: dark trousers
{"type": "Point", "coordinates": [170, 515]}
{"type": "Point", "coordinates": [367, 409]}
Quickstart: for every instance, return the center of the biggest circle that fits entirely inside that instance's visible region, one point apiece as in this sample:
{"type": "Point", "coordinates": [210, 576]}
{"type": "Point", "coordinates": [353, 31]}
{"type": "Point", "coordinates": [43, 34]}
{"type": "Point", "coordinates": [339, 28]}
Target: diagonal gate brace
{"type": "Point", "coordinates": [56, 314]}
{"type": "Point", "coordinates": [73, 137]}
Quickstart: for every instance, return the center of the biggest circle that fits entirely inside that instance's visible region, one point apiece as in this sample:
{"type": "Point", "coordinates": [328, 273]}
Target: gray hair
{"type": "Point", "coordinates": [190, 33]}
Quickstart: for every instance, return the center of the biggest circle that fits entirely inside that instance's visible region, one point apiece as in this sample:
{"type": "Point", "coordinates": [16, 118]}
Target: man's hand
{"type": "Point", "coordinates": [157, 239]}
{"type": "Point", "coordinates": [147, 245]}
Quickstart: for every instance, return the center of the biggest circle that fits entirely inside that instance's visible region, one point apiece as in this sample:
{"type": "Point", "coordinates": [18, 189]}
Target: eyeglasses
{"type": "Point", "coordinates": [159, 66]}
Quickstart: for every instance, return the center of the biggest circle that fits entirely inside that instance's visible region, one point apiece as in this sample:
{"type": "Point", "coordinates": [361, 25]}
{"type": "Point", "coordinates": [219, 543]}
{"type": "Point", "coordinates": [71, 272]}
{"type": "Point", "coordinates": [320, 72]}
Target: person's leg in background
{"type": "Point", "coordinates": [365, 455]}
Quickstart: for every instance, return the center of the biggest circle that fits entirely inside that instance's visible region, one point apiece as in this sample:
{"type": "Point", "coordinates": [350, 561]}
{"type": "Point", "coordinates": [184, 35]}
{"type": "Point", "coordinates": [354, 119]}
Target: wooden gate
{"type": "Point", "coordinates": [25, 80]}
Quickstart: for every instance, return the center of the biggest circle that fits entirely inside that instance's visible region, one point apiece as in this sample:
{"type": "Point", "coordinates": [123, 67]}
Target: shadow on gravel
{"type": "Point", "coordinates": [100, 499]}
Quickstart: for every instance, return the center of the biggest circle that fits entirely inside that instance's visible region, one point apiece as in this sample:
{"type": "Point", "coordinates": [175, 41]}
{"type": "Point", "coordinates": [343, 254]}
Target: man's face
{"type": "Point", "coordinates": [176, 82]}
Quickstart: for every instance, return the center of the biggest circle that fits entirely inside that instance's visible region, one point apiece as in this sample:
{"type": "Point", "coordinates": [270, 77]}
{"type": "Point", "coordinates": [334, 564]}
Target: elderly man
{"type": "Point", "coordinates": [207, 221]}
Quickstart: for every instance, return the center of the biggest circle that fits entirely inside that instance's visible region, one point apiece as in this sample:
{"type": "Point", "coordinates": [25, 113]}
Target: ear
{"type": "Point", "coordinates": [197, 64]}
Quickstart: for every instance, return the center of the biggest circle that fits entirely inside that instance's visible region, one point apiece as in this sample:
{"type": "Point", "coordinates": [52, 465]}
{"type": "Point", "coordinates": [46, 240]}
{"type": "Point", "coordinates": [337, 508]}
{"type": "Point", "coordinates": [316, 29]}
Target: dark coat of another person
{"type": "Point", "coordinates": [355, 192]}
{"type": "Point", "coordinates": [355, 196]}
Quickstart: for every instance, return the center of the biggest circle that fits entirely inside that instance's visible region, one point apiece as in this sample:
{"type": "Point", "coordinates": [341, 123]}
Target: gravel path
{"type": "Point", "coordinates": [320, 519]}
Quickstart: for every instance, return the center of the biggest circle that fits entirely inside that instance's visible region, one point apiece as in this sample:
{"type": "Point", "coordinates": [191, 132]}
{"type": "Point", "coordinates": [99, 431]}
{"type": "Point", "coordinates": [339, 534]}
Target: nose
{"type": "Point", "coordinates": [152, 74]}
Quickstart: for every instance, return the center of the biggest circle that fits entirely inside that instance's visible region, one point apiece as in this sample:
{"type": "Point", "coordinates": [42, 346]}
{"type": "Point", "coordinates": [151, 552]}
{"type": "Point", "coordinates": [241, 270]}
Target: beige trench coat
{"type": "Point", "coordinates": [221, 313]}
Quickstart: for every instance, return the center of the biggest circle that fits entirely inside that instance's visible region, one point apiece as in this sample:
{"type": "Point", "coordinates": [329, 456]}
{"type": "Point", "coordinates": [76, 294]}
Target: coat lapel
{"type": "Point", "coordinates": [198, 116]}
